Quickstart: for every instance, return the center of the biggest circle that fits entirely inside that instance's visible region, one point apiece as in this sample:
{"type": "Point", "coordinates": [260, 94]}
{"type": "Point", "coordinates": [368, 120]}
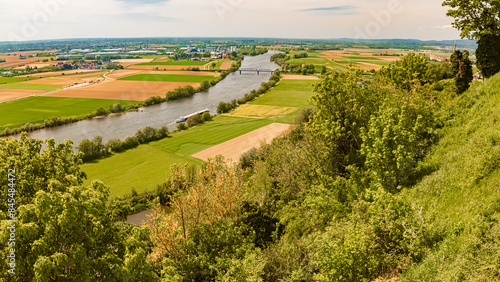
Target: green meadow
{"type": "Point", "coordinates": [288, 93]}
{"type": "Point", "coordinates": [37, 109]}
{"type": "Point", "coordinates": [7, 80]}
{"type": "Point", "coordinates": [168, 77]}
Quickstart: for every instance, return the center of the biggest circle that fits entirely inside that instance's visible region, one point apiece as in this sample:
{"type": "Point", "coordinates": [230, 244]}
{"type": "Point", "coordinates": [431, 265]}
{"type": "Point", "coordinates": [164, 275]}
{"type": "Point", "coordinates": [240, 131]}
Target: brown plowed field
{"type": "Point", "coordinates": [47, 74]}
{"type": "Point", "coordinates": [9, 94]}
{"type": "Point", "coordinates": [136, 67]}
{"type": "Point", "coordinates": [69, 79]}
{"type": "Point", "coordinates": [130, 62]}
{"type": "Point", "coordinates": [122, 90]}
{"type": "Point", "coordinates": [299, 77]}
{"type": "Point", "coordinates": [226, 65]}
{"type": "Point", "coordinates": [128, 72]}
{"type": "Point", "coordinates": [14, 61]}
{"type": "Point", "coordinates": [234, 148]}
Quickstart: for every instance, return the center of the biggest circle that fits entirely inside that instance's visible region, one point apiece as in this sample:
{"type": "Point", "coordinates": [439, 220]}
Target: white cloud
{"type": "Point", "coordinates": [424, 19]}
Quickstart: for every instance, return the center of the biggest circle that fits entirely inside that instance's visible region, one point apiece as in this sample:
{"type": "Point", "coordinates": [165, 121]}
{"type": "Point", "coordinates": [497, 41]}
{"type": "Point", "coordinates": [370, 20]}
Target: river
{"type": "Point", "coordinates": [234, 86]}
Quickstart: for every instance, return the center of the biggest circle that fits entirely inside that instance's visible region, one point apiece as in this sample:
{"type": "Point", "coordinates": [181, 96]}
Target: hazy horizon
{"type": "Point", "coordinates": [280, 19]}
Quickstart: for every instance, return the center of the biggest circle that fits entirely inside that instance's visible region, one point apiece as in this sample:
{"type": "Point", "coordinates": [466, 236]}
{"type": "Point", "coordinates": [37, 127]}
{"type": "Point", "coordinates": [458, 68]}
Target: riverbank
{"type": "Point", "coordinates": [30, 119]}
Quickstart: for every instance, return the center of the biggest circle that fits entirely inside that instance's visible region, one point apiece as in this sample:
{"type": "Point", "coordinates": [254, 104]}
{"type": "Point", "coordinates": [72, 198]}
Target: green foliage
{"type": "Point", "coordinates": [63, 230]}
{"type": "Point", "coordinates": [206, 117]}
{"type": "Point", "coordinates": [377, 239]}
{"type": "Point", "coordinates": [181, 126]}
{"type": "Point", "coordinates": [488, 55]}
{"type": "Point", "coordinates": [474, 18]}
{"type": "Point", "coordinates": [57, 161]}
{"type": "Point", "coordinates": [194, 120]}
{"type": "Point", "coordinates": [91, 149]}
{"type": "Point", "coordinates": [181, 92]}
{"type": "Point", "coordinates": [412, 71]}
{"type": "Point", "coordinates": [169, 77]}
{"type": "Point", "coordinates": [391, 145]}
{"type": "Point", "coordinates": [462, 69]}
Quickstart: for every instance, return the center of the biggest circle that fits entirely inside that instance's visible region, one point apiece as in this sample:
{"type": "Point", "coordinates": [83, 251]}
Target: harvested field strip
{"type": "Point", "coordinates": [361, 58]}
{"type": "Point", "coordinates": [299, 77]}
{"type": "Point", "coordinates": [234, 148]}
{"type": "Point", "coordinates": [168, 77]}
{"type": "Point", "coordinates": [120, 172]}
{"type": "Point", "coordinates": [123, 90]}
{"type": "Point", "coordinates": [39, 108]}
{"type": "Point", "coordinates": [26, 86]}
{"type": "Point", "coordinates": [260, 111]}
{"type": "Point", "coordinates": [174, 63]}
{"type": "Point", "coordinates": [10, 94]}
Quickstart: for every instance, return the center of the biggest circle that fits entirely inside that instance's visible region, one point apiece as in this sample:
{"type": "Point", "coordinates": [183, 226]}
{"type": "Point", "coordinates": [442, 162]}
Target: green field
{"type": "Point", "coordinates": [141, 168]}
{"type": "Point", "coordinates": [288, 93]}
{"type": "Point", "coordinates": [7, 80]}
{"type": "Point", "coordinates": [37, 109]}
{"type": "Point", "coordinates": [26, 86]}
{"type": "Point", "coordinates": [175, 63]}
{"type": "Point", "coordinates": [146, 166]}
{"type": "Point", "coordinates": [168, 77]}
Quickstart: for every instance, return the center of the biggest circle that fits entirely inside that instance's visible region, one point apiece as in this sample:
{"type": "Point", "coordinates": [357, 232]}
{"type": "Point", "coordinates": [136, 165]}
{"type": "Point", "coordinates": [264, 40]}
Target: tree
{"type": "Point", "coordinates": [479, 19]}
{"type": "Point", "coordinates": [63, 230]}
{"type": "Point", "coordinates": [462, 69]}
{"type": "Point", "coordinates": [390, 145]}
{"type": "Point", "coordinates": [475, 18]}
{"type": "Point", "coordinates": [488, 55]}
{"type": "Point", "coordinates": [57, 161]}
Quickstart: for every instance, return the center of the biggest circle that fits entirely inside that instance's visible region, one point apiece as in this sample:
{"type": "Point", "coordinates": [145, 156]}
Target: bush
{"type": "Point", "coordinates": [181, 126]}
{"type": "Point", "coordinates": [130, 142]}
{"type": "Point", "coordinates": [194, 120]}
{"type": "Point", "coordinates": [206, 117]}
{"type": "Point", "coordinates": [114, 145]}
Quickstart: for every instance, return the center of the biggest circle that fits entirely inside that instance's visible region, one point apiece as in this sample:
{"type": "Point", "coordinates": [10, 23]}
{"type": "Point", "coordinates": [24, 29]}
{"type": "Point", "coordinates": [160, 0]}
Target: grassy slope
{"type": "Point", "coordinates": [26, 86]}
{"type": "Point", "coordinates": [146, 166]}
{"type": "Point", "coordinates": [168, 77]}
{"type": "Point", "coordinates": [465, 184]}
{"type": "Point", "coordinates": [37, 109]}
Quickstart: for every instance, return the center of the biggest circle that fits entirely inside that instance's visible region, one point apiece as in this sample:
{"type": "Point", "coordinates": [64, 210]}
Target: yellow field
{"type": "Point", "coordinates": [261, 111]}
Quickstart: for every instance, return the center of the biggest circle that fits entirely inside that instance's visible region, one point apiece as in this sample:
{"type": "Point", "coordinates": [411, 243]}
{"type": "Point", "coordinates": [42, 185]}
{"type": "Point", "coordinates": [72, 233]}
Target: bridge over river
{"type": "Point", "coordinates": [258, 71]}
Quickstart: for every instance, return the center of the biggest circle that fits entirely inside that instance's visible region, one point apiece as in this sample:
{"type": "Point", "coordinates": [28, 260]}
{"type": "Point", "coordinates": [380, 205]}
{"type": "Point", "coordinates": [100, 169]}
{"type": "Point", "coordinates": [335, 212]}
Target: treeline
{"type": "Point", "coordinates": [93, 149]}
{"type": "Point", "coordinates": [282, 58]}
{"type": "Point", "coordinates": [225, 107]}
{"type": "Point", "coordinates": [58, 121]}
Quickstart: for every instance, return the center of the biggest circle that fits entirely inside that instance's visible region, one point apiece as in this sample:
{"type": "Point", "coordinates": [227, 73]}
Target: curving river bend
{"type": "Point", "coordinates": [234, 86]}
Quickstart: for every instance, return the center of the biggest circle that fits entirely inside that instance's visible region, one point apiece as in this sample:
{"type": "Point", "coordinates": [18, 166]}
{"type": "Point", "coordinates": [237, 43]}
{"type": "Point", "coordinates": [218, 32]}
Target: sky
{"type": "Point", "coordinates": [305, 19]}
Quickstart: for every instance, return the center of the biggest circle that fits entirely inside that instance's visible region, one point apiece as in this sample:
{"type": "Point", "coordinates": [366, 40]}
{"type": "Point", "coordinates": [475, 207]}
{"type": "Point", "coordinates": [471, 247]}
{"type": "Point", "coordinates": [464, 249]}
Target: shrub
{"type": "Point", "coordinates": [194, 120]}
{"type": "Point", "coordinates": [114, 145]}
{"type": "Point", "coordinates": [181, 126]}
{"type": "Point", "coordinates": [206, 117]}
